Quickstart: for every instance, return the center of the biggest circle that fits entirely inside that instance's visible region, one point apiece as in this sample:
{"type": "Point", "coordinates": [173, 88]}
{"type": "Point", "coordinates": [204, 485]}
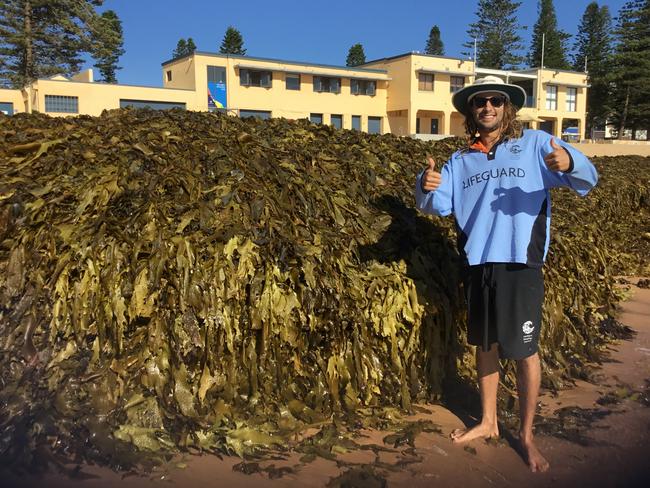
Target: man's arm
{"type": "Point", "coordinates": [433, 190]}
{"type": "Point", "coordinates": [566, 166]}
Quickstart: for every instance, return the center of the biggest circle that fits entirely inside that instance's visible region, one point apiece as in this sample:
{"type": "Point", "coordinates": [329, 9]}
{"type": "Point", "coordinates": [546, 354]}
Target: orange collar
{"type": "Point", "coordinates": [479, 146]}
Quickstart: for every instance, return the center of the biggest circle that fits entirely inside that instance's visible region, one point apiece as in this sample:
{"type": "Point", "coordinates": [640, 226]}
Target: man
{"type": "Point", "coordinates": [498, 191]}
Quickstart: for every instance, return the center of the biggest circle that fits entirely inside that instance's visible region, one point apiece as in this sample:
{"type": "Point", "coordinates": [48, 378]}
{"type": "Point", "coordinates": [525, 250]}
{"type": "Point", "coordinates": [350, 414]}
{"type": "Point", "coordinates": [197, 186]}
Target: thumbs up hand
{"type": "Point", "coordinates": [431, 179]}
{"type": "Point", "coordinates": [558, 159]}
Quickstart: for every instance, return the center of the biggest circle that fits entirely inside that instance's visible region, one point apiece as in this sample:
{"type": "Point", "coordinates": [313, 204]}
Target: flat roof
{"type": "Point", "coordinates": [275, 60]}
{"type": "Point", "coordinates": [99, 83]}
{"type": "Point", "coordinates": [415, 53]}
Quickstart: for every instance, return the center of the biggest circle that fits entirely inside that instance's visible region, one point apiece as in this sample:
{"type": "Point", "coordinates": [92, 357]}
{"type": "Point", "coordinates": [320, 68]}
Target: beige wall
{"type": "Point", "coordinates": [15, 97]}
{"type": "Point", "coordinates": [95, 97]}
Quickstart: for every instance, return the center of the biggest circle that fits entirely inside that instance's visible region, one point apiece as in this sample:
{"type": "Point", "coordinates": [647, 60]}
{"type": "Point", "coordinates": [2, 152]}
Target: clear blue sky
{"type": "Point", "coordinates": [317, 32]}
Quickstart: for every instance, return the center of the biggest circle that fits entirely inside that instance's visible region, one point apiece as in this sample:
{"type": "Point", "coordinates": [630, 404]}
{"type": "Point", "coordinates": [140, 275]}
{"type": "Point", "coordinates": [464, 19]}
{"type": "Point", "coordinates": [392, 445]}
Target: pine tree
{"type": "Point", "coordinates": [434, 43]}
{"type": "Point", "coordinates": [496, 34]}
{"type": "Point", "coordinates": [356, 56]}
{"type": "Point", "coordinates": [232, 43]}
{"type": "Point", "coordinates": [554, 40]}
{"type": "Point", "coordinates": [631, 67]}
{"type": "Point", "coordinates": [593, 50]}
{"type": "Point", "coordinates": [108, 42]}
{"type": "Point", "coordinates": [181, 49]}
{"type": "Point", "coordinates": [44, 37]}
{"type": "Point", "coordinates": [184, 48]}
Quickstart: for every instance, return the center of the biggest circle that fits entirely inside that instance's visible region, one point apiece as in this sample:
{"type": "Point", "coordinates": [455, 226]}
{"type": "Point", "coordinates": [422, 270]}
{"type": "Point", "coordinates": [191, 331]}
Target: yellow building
{"type": "Point", "coordinates": [349, 98]}
{"type": "Point", "coordinates": [407, 95]}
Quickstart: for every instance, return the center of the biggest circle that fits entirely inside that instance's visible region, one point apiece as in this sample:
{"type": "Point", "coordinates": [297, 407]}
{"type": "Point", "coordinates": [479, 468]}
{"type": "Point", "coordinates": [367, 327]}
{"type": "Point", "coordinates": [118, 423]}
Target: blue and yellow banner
{"type": "Point", "coordinates": [216, 95]}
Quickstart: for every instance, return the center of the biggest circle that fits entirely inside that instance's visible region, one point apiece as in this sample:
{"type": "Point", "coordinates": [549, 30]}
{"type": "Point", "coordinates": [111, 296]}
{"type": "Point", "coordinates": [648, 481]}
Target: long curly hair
{"type": "Point", "coordinates": [511, 127]}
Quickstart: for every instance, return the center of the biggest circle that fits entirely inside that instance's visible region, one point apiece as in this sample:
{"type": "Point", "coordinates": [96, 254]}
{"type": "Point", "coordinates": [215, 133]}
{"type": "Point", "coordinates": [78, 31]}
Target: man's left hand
{"type": "Point", "coordinates": [558, 160]}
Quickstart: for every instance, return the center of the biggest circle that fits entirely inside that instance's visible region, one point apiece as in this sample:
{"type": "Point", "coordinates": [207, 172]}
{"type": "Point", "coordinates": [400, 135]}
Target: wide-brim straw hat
{"type": "Point", "coordinates": [463, 97]}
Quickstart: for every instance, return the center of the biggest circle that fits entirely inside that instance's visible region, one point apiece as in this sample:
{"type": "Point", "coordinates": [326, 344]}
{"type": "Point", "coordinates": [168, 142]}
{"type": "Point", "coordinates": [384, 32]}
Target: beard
{"type": "Point", "coordinates": [490, 124]}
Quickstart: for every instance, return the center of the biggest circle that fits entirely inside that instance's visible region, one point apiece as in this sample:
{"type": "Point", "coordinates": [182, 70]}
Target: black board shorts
{"type": "Point", "coordinates": [504, 304]}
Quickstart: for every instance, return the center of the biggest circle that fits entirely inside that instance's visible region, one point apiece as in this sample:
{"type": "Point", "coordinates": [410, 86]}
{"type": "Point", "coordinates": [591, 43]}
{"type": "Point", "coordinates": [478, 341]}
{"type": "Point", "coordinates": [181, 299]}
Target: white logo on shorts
{"type": "Point", "coordinates": [528, 329]}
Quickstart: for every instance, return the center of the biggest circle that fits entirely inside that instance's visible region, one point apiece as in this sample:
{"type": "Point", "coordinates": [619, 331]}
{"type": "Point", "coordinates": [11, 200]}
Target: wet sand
{"type": "Point", "coordinates": [615, 450]}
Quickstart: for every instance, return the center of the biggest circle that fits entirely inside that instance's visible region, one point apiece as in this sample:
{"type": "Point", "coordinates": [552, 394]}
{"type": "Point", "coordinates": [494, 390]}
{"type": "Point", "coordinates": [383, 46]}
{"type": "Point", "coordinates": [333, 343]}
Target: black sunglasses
{"type": "Point", "coordinates": [496, 102]}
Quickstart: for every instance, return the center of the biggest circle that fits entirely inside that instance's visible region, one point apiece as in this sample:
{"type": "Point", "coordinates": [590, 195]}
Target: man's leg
{"type": "Point", "coordinates": [529, 377]}
{"type": "Point", "coordinates": [487, 364]}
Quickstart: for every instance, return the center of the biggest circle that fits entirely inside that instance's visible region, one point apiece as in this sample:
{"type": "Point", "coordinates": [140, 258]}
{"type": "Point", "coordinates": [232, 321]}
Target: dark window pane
{"type": "Point", "coordinates": [337, 121]}
{"type": "Point", "coordinates": [356, 122]}
{"type": "Point", "coordinates": [7, 108]}
{"type": "Point", "coordinates": [152, 104]}
{"type": "Point", "coordinates": [456, 83]}
{"type": "Point", "coordinates": [374, 125]}
{"type": "Point", "coordinates": [316, 118]}
{"type": "Point", "coordinates": [293, 82]}
{"type": "Point", "coordinates": [260, 114]}
{"type": "Point", "coordinates": [217, 74]}
{"type": "Point", "coordinates": [61, 104]}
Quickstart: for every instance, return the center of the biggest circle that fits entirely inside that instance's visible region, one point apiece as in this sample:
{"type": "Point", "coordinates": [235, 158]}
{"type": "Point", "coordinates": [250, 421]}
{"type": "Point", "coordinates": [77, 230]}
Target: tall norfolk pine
{"type": "Point", "coordinates": [44, 37]}
{"type": "Point", "coordinates": [233, 42]}
{"type": "Point", "coordinates": [631, 68]}
{"type": "Point", "coordinates": [107, 45]}
{"type": "Point", "coordinates": [593, 50]}
{"type": "Point", "coordinates": [496, 31]}
{"type": "Point", "coordinates": [554, 40]}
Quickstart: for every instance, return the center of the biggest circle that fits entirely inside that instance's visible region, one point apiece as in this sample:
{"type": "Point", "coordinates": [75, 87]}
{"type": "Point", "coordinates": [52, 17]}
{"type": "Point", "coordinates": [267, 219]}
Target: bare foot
{"type": "Point", "coordinates": [482, 430]}
{"type": "Point", "coordinates": [536, 462]}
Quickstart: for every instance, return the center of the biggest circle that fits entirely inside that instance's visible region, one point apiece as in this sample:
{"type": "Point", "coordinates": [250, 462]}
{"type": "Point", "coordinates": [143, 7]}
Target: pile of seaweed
{"type": "Point", "coordinates": [191, 280]}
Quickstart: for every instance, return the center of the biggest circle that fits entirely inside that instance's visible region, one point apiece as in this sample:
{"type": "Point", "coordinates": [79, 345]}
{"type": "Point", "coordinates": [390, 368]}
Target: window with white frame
{"type": "Point", "coordinates": [571, 99]}
{"type": "Point", "coordinates": [327, 84]}
{"type": "Point", "coordinates": [253, 77]}
{"type": "Point", "coordinates": [551, 97]}
{"type": "Point", "coordinates": [61, 104]}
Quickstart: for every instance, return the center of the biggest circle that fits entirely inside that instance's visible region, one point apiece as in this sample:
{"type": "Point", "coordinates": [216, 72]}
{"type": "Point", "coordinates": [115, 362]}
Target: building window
{"type": "Point", "coordinates": [337, 121]}
{"type": "Point", "coordinates": [7, 108]}
{"type": "Point", "coordinates": [434, 126]}
{"type": "Point", "coordinates": [356, 122]}
{"type": "Point", "coordinates": [327, 84]}
{"type": "Point", "coordinates": [571, 97]}
{"type": "Point", "coordinates": [252, 77]}
{"type": "Point", "coordinates": [551, 97]}
{"type": "Point", "coordinates": [292, 81]}
{"type": "Point", "coordinates": [316, 118]}
{"type": "Point", "coordinates": [61, 104]}
{"type": "Point", "coordinates": [169, 75]}
{"type": "Point", "coordinates": [456, 83]}
{"type": "Point", "coordinates": [216, 74]}
{"type": "Point", "coordinates": [151, 104]}
{"type": "Point", "coordinates": [374, 125]}
{"type": "Point", "coordinates": [363, 87]}
{"type": "Point", "coordinates": [417, 125]}
{"type": "Point", "coordinates": [425, 81]}
{"type": "Point", "coordinates": [258, 114]}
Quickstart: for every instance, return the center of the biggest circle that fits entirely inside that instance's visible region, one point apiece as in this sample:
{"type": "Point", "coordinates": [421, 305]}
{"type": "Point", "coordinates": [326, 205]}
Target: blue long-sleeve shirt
{"type": "Point", "coordinates": [501, 200]}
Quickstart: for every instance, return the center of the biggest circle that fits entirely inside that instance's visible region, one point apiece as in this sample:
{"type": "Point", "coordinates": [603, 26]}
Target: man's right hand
{"type": "Point", "coordinates": [431, 179]}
